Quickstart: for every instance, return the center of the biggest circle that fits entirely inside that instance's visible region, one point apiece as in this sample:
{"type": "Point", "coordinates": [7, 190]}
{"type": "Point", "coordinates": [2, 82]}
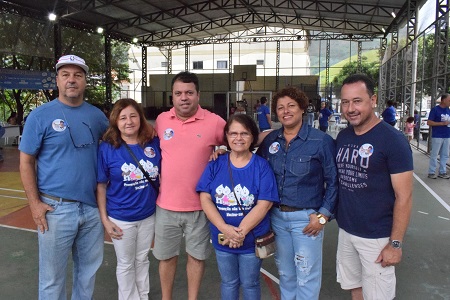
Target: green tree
{"type": "Point", "coordinates": [27, 44]}
{"type": "Point", "coordinates": [371, 69]}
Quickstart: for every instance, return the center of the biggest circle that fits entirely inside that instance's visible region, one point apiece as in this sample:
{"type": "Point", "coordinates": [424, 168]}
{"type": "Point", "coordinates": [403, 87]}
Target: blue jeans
{"type": "Point", "coordinates": [298, 256]}
{"type": "Point", "coordinates": [72, 227]}
{"type": "Point", "coordinates": [439, 146]}
{"type": "Point", "coordinates": [311, 119]}
{"type": "Point", "coordinates": [239, 270]}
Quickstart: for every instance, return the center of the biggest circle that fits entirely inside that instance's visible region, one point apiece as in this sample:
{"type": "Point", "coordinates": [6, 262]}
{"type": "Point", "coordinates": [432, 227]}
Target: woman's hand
{"type": "Point", "coordinates": [114, 231]}
{"type": "Point", "coordinates": [233, 236]}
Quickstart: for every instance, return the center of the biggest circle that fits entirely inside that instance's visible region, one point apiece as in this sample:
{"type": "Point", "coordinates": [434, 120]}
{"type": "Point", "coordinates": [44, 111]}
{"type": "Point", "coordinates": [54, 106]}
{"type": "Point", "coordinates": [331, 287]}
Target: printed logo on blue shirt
{"type": "Point", "coordinates": [274, 148]}
{"type": "Point", "coordinates": [59, 125]}
{"type": "Point", "coordinates": [168, 134]}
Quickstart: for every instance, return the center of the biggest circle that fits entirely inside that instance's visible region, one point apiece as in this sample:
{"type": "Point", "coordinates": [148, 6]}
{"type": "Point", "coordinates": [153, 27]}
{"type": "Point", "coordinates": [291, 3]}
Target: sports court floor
{"type": "Point", "coordinates": [423, 274]}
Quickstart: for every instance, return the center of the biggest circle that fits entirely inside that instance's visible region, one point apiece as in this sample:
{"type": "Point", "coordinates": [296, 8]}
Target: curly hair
{"type": "Point", "coordinates": [112, 134]}
{"type": "Point", "coordinates": [248, 123]}
{"type": "Point", "coordinates": [294, 93]}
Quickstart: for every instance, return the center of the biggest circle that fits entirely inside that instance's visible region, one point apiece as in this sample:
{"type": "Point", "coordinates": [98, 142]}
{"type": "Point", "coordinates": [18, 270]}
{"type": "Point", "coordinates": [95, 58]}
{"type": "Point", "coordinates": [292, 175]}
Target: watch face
{"type": "Point", "coordinates": [396, 244]}
{"type": "Point", "coordinates": [322, 220]}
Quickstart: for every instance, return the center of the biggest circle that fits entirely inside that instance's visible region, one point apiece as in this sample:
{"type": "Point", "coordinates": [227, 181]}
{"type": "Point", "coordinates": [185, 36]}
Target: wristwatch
{"type": "Point", "coordinates": [396, 244]}
{"type": "Point", "coordinates": [321, 218]}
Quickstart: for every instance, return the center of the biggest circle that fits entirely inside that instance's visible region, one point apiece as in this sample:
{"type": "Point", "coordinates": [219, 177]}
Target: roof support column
{"type": "Point", "coordinates": [383, 74]}
{"type": "Point", "coordinates": [359, 56]}
{"type": "Point", "coordinates": [169, 61]}
{"type": "Point", "coordinates": [108, 77]}
{"type": "Point", "coordinates": [409, 65]}
{"type": "Point", "coordinates": [392, 75]}
{"type": "Point", "coordinates": [439, 84]}
{"type": "Point", "coordinates": [186, 57]}
{"type": "Point", "coordinates": [57, 46]}
{"type": "Point", "coordinates": [327, 71]}
{"type": "Point", "coordinates": [144, 66]}
{"type": "Point", "coordinates": [277, 68]}
{"type": "Point", "coordinates": [230, 65]}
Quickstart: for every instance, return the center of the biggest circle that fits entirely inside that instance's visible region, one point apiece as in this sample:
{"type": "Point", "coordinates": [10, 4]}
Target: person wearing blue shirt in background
{"type": "Point", "coordinates": [126, 199]}
{"type": "Point", "coordinates": [58, 168]}
{"type": "Point", "coordinates": [324, 116]}
{"type": "Point", "coordinates": [389, 113]}
{"type": "Point", "coordinates": [264, 115]}
{"type": "Point", "coordinates": [302, 159]}
{"type": "Point", "coordinates": [439, 121]}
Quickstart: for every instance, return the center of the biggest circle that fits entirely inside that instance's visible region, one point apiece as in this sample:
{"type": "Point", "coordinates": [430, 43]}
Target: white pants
{"type": "Point", "coordinates": [132, 258]}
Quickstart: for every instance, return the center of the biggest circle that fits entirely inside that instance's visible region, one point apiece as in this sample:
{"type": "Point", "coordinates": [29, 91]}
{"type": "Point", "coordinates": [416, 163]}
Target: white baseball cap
{"type": "Point", "coordinates": [72, 60]}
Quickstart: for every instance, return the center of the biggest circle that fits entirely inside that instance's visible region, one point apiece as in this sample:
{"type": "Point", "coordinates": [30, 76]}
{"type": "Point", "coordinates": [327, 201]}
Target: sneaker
{"type": "Point", "coordinates": [444, 176]}
{"type": "Point", "coordinates": [432, 176]}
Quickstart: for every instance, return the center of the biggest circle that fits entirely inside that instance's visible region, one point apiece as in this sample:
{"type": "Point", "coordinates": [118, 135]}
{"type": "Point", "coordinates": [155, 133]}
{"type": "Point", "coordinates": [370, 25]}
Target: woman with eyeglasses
{"type": "Point", "coordinates": [236, 192]}
{"type": "Point", "coordinates": [129, 161]}
{"type": "Point", "coordinates": [303, 160]}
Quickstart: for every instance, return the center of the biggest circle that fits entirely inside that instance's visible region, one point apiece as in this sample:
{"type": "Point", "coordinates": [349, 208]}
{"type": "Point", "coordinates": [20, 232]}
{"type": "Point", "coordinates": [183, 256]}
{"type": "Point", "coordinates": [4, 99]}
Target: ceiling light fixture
{"type": "Point", "coordinates": [384, 30]}
{"type": "Point", "coordinates": [51, 16]}
{"type": "Point", "coordinates": [100, 30]}
{"type": "Point", "coordinates": [393, 14]}
{"type": "Point", "coordinates": [135, 40]}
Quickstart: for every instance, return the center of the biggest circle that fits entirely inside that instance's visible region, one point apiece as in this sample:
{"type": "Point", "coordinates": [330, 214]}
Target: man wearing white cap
{"type": "Point", "coordinates": [60, 138]}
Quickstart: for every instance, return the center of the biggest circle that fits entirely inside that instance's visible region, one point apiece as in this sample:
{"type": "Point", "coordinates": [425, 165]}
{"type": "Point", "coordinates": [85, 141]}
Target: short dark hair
{"type": "Point", "coordinates": [390, 103]}
{"type": "Point", "coordinates": [263, 100]}
{"type": "Point", "coordinates": [187, 77]}
{"type": "Point", "coordinates": [294, 93]}
{"type": "Point", "coordinates": [444, 96]}
{"type": "Point", "coordinates": [370, 85]}
{"type": "Point", "coordinates": [248, 124]}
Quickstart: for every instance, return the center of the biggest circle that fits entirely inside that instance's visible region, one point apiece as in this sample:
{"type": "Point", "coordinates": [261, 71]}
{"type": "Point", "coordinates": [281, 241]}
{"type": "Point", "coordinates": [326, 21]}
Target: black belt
{"type": "Point", "coordinates": [56, 198]}
{"type": "Point", "coordinates": [287, 208]}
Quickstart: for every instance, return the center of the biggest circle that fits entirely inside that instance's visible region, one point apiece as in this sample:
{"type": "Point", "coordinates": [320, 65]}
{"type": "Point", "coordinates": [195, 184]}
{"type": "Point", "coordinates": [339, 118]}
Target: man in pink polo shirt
{"type": "Point", "coordinates": [188, 135]}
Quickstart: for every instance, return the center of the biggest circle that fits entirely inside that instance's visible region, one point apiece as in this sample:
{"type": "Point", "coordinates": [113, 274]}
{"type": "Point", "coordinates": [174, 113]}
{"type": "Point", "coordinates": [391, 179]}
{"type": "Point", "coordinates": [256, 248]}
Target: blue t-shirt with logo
{"type": "Point", "coordinates": [324, 114]}
{"type": "Point", "coordinates": [365, 163]}
{"type": "Point", "coordinates": [253, 182]}
{"type": "Point", "coordinates": [64, 140]}
{"type": "Point", "coordinates": [263, 111]}
{"type": "Point", "coordinates": [440, 114]}
{"type": "Point", "coordinates": [129, 195]}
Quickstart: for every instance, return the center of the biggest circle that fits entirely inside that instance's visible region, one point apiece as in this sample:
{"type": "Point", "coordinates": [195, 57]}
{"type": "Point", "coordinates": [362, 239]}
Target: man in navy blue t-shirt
{"type": "Point", "coordinates": [439, 121]}
{"type": "Point", "coordinates": [375, 168]}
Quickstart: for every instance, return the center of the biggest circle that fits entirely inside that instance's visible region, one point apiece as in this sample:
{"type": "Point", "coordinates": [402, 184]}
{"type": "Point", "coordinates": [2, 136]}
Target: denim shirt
{"type": "Point", "coordinates": [305, 170]}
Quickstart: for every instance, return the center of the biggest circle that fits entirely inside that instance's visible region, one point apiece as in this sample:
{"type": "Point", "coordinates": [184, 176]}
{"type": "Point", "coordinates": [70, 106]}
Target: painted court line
{"type": "Point", "coordinates": [422, 212]}
{"type": "Point", "coordinates": [10, 190]}
{"type": "Point", "coordinates": [444, 204]}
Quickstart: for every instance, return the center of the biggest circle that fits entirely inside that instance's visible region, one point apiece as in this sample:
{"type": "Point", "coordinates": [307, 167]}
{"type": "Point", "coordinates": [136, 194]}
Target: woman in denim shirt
{"type": "Point", "coordinates": [303, 160]}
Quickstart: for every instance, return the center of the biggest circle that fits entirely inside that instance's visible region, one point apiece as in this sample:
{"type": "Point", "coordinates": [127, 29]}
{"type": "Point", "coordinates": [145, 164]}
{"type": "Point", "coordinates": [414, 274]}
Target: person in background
{"type": "Point", "coordinates": [439, 121]}
{"type": "Point", "coordinates": [58, 168]}
{"type": "Point", "coordinates": [125, 197]}
{"type": "Point", "coordinates": [264, 115]}
{"type": "Point", "coordinates": [310, 110]}
{"type": "Point", "coordinates": [324, 116]}
{"type": "Point", "coordinates": [188, 135]}
{"type": "Point", "coordinates": [389, 113]}
{"type": "Point", "coordinates": [12, 119]}
{"type": "Point", "coordinates": [417, 125]}
{"type": "Point", "coordinates": [409, 128]}
{"type": "Point", "coordinates": [303, 160]}
{"type": "Point", "coordinates": [2, 132]}
{"type": "Point", "coordinates": [375, 168]}
{"type": "Point", "coordinates": [250, 194]}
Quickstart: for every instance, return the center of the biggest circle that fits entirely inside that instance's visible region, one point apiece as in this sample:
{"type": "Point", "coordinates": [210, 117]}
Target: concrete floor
{"type": "Point", "coordinates": [423, 274]}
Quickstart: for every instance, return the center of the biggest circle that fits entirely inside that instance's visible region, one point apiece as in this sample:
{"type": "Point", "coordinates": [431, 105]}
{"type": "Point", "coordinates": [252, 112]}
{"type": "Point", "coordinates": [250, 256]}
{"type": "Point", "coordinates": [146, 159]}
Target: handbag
{"type": "Point", "coordinates": [142, 168]}
{"type": "Point", "coordinates": [265, 245]}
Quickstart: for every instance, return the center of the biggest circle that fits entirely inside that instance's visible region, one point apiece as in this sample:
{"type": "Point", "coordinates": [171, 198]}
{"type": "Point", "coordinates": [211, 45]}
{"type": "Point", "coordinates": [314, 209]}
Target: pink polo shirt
{"type": "Point", "coordinates": [185, 147]}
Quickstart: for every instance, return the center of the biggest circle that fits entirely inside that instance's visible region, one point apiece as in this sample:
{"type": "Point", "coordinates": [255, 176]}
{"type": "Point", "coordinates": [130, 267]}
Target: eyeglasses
{"type": "Point", "coordinates": [81, 145]}
{"type": "Point", "coordinates": [244, 135]}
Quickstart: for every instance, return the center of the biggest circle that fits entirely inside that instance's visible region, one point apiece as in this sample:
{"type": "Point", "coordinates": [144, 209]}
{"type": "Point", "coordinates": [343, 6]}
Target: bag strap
{"type": "Point", "coordinates": [141, 168]}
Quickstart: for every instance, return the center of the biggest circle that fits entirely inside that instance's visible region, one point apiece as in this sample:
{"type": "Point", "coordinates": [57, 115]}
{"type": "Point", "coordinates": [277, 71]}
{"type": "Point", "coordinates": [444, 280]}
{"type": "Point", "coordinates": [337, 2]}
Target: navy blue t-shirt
{"type": "Point", "coordinates": [365, 163]}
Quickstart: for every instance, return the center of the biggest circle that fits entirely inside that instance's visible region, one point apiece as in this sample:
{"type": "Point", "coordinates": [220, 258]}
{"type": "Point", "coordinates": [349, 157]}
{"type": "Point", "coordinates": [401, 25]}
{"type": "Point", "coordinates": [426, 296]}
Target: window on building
{"type": "Point", "coordinates": [198, 65]}
{"type": "Point", "coordinates": [222, 64]}
{"type": "Point", "coordinates": [260, 62]}
{"type": "Point", "coordinates": [164, 64]}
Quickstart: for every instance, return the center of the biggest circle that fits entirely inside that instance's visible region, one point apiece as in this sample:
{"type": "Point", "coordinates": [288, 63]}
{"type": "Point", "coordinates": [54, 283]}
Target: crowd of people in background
{"type": "Point", "coordinates": [181, 178]}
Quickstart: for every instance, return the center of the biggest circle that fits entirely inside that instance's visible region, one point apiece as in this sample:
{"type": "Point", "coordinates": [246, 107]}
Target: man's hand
{"type": "Point", "coordinates": [314, 227]}
{"type": "Point", "coordinates": [216, 154]}
{"type": "Point", "coordinates": [38, 212]}
{"type": "Point", "coordinates": [389, 256]}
